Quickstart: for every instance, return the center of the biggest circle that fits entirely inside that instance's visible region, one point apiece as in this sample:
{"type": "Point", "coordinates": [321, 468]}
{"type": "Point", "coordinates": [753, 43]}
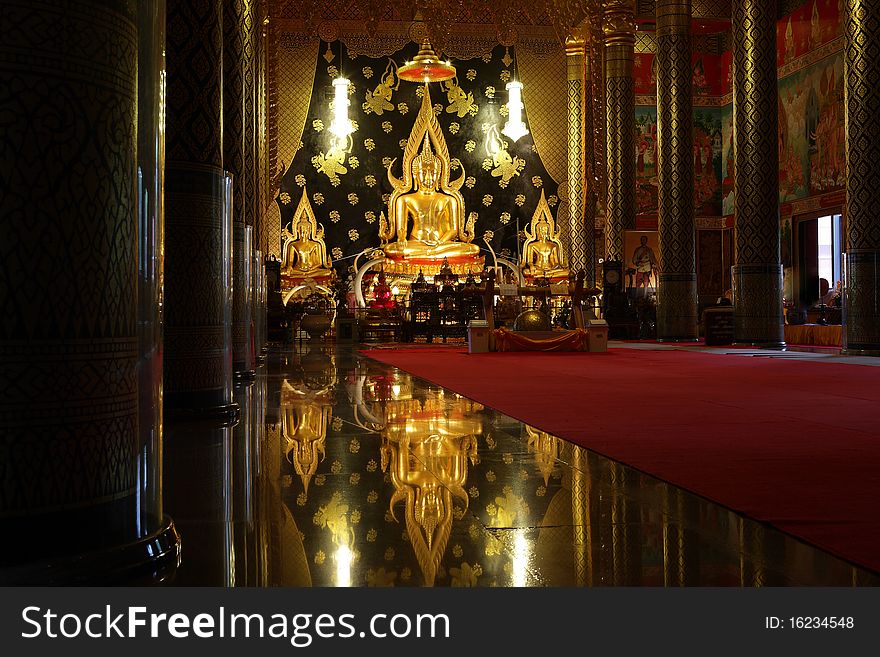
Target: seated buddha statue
{"type": "Point", "coordinates": [305, 254]}
{"type": "Point", "coordinates": [426, 218]}
{"type": "Point", "coordinates": [542, 255]}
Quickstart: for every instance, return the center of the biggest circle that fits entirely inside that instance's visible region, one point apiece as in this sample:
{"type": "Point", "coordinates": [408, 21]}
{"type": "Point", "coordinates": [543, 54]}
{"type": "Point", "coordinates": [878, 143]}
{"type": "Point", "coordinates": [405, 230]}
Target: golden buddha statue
{"type": "Point", "coordinates": [426, 447]}
{"type": "Point", "coordinates": [305, 254]}
{"type": "Point", "coordinates": [542, 255]}
{"type": "Point", "coordinates": [426, 219]}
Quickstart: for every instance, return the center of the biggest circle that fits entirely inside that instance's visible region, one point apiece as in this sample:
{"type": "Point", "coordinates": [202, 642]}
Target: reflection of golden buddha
{"type": "Point", "coordinates": [546, 450]}
{"type": "Point", "coordinates": [305, 254]}
{"type": "Point", "coordinates": [542, 251]}
{"type": "Point", "coordinates": [304, 428]}
{"type": "Point", "coordinates": [426, 448]}
{"type": "Point", "coordinates": [306, 412]}
{"type": "Point", "coordinates": [426, 210]}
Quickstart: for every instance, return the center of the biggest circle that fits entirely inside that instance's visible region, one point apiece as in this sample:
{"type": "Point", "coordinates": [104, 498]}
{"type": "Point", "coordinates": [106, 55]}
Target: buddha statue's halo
{"type": "Point", "coordinates": [425, 127]}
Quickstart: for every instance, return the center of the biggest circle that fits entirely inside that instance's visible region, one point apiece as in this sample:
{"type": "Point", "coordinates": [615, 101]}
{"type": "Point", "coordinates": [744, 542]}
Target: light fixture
{"type": "Point", "coordinates": [426, 66]}
{"type": "Point", "coordinates": [514, 127]}
{"type": "Point", "coordinates": [341, 125]}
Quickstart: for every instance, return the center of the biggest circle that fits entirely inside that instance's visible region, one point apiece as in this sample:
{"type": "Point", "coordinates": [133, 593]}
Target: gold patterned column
{"type": "Point", "coordinates": [69, 443]}
{"type": "Point", "coordinates": [677, 290]}
{"type": "Point", "coordinates": [576, 88]}
{"type": "Point", "coordinates": [238, 160]}
{"type": "Point", "coordinates": [757, 274]}
{"type": "Point", "coordinates": [198, 300]}
{"type": "Point", "coordinates": [620, 102]}
{"type": "Point", "coordinates": [862, 295]}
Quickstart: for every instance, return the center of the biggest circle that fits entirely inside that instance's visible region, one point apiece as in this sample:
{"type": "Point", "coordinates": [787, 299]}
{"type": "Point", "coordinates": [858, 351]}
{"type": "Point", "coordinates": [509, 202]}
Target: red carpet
{"type": "Point", "coordinates": [792, 443]}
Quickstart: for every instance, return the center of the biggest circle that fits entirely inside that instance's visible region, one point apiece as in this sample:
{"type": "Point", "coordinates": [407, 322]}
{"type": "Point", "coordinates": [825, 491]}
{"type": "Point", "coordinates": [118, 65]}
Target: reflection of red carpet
{"type": "Point", "coordinates": [792, 443]}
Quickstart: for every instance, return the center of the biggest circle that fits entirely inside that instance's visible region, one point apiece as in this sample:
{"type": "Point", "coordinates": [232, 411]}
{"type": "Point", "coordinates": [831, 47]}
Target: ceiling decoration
{"type": "Point", "coordinates": [442, 19]}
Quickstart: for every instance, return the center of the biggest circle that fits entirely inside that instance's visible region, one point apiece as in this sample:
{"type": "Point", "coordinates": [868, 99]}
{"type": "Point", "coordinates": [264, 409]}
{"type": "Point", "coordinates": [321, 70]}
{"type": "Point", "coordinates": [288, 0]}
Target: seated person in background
{"type": "Point", "coordinates": [726, 300]}
{"type": "Point", "coordinates": [831, 296]}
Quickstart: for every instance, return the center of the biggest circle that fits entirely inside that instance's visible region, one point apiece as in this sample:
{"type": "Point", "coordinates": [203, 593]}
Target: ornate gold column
{"type": "Point", "coordinates": [862, 296]}
{"type": "Point", "coordinates": [577, 88]}
{"type": "Point", "coordinates": [757, 274]}
{"type": "Point", "coordinates": [620, 102]}
{"type": "Point", "coordinates": [198, 301]}
{"type": "Point", "coordinates": [69, 338]}
{"type": "Point", "coordinates": [677, 290]}
{"type": "Point", "coordinates": [238, 160]}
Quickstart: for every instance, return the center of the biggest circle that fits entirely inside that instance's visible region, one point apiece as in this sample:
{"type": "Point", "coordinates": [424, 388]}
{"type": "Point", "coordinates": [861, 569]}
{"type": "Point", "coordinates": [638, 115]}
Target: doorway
{"type": "Point", "coordinates": [819, 256]}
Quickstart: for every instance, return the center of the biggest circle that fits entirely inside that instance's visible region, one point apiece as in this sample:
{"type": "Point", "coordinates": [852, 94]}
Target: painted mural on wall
{"type": "Point", "coordinates": [346, 179]}
{"type": "Point", "coordinates": [707, 160]}
{"type": "Point", "coordinates": [811, 130]}
{"type": "Point", "coordinates": [709, 74]}
{"type": "Point", "coordinates": [727, 160]}
{"type": "Point", "coordinates": [813, 25]}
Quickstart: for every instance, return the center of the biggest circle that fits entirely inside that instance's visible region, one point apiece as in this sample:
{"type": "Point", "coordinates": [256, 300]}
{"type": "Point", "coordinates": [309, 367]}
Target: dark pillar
{"type": "Point", "coordinates": [237, 126]}
{"type": "Point", "coordinates": [677, 291]}
{"type": "Point", "coordinates": [70, 441]}
{"type": "Point", "coordinates": [862, 296]}
{"type": "Point", "coordinates": [757, 274]}
{"type": "Point", "coordinates": [198, 304]}
{"type": "Point", "coordinates": [620, 102]}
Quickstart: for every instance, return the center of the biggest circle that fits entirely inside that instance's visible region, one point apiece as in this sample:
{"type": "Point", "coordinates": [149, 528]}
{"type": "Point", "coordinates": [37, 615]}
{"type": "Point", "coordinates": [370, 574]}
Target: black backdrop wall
{"type": "Point", "coordinates": [346, 180]}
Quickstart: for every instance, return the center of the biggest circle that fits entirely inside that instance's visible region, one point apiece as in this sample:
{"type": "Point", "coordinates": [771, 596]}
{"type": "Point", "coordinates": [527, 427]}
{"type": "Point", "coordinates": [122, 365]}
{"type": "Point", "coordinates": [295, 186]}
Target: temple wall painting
{"type": "Point", "coordinates": [346, 180]}
{"type": "Point", "coordinates": [707, 160]}
{"type": "Point", "coordinates": [811, 130]}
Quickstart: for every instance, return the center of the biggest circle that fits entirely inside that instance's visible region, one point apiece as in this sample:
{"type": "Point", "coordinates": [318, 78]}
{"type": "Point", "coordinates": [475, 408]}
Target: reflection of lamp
{"type": "Point", "coordinates": [341, 125]}
{"type": "Point", "coordinates": [426, 67]}
{"type": "Point", "coordinates": [514, 128]}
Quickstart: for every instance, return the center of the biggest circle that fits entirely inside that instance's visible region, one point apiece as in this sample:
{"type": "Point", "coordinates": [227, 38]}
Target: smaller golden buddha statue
{"type": "Point", "coordinates": [305, 254]}
{"type": "Point", "coordinates": [426, 219]}
{"type": "Point", "coordinates": [542, 255]}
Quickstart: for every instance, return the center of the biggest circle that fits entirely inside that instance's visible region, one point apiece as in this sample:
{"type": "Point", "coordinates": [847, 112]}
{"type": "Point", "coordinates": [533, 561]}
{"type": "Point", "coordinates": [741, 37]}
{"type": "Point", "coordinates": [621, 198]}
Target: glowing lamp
{"type": "Point", "coordinates": [341, 125]}
{"type": "Point", "coordinates": [514, 128]}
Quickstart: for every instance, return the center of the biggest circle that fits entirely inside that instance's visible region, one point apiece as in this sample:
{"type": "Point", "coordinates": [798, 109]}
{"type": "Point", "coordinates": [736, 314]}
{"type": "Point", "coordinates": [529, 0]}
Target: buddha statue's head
{"type": "Point", "coordinates": [302, 230]}
{"type": "Point", "coordinates": [542, 231]}
{"type": "Point", "coordinates": [426, 167]}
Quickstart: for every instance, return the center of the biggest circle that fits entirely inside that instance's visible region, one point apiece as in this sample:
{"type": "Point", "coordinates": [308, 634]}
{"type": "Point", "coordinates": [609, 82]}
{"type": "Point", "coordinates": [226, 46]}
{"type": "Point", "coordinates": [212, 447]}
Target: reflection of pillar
{"type": "Point", "coordinates": [677, 290]}
{"type": "Point", "coordinates": [69, 339]}
{"type": "Point", "coordinates": [577, 81]}
{"type": "Point", "coordinates": [620, 104]}
{"type": "Point", "coordinates": [862, 297]}
{"type": "Point", "coordinates": [581, 494]}
{"type": "Point", "coordinates": [681, 540]}
{"type": "Point", "coordinates": [197, 304]}
{"type": "Point", "coordinates": [199, 491]}
{"type": "Point", "coordinates": [757, 274]}
{"type": "Point", "coordinates": [237, 124]}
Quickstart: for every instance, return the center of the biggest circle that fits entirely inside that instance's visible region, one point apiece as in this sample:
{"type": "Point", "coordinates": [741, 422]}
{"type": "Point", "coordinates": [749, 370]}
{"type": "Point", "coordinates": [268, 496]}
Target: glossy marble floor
{"type": "Point", "coordinates": [346, 472]}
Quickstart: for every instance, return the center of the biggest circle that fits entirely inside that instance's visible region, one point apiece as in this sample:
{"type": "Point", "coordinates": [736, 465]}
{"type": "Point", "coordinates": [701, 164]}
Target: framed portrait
{"type": "Point", "coordinates": [641, 260]}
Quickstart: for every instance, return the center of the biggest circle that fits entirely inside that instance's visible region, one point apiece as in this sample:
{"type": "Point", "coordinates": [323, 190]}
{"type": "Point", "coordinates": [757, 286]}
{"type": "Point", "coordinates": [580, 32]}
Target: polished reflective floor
{"type": "Point", "coordinates": [343, 471]}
